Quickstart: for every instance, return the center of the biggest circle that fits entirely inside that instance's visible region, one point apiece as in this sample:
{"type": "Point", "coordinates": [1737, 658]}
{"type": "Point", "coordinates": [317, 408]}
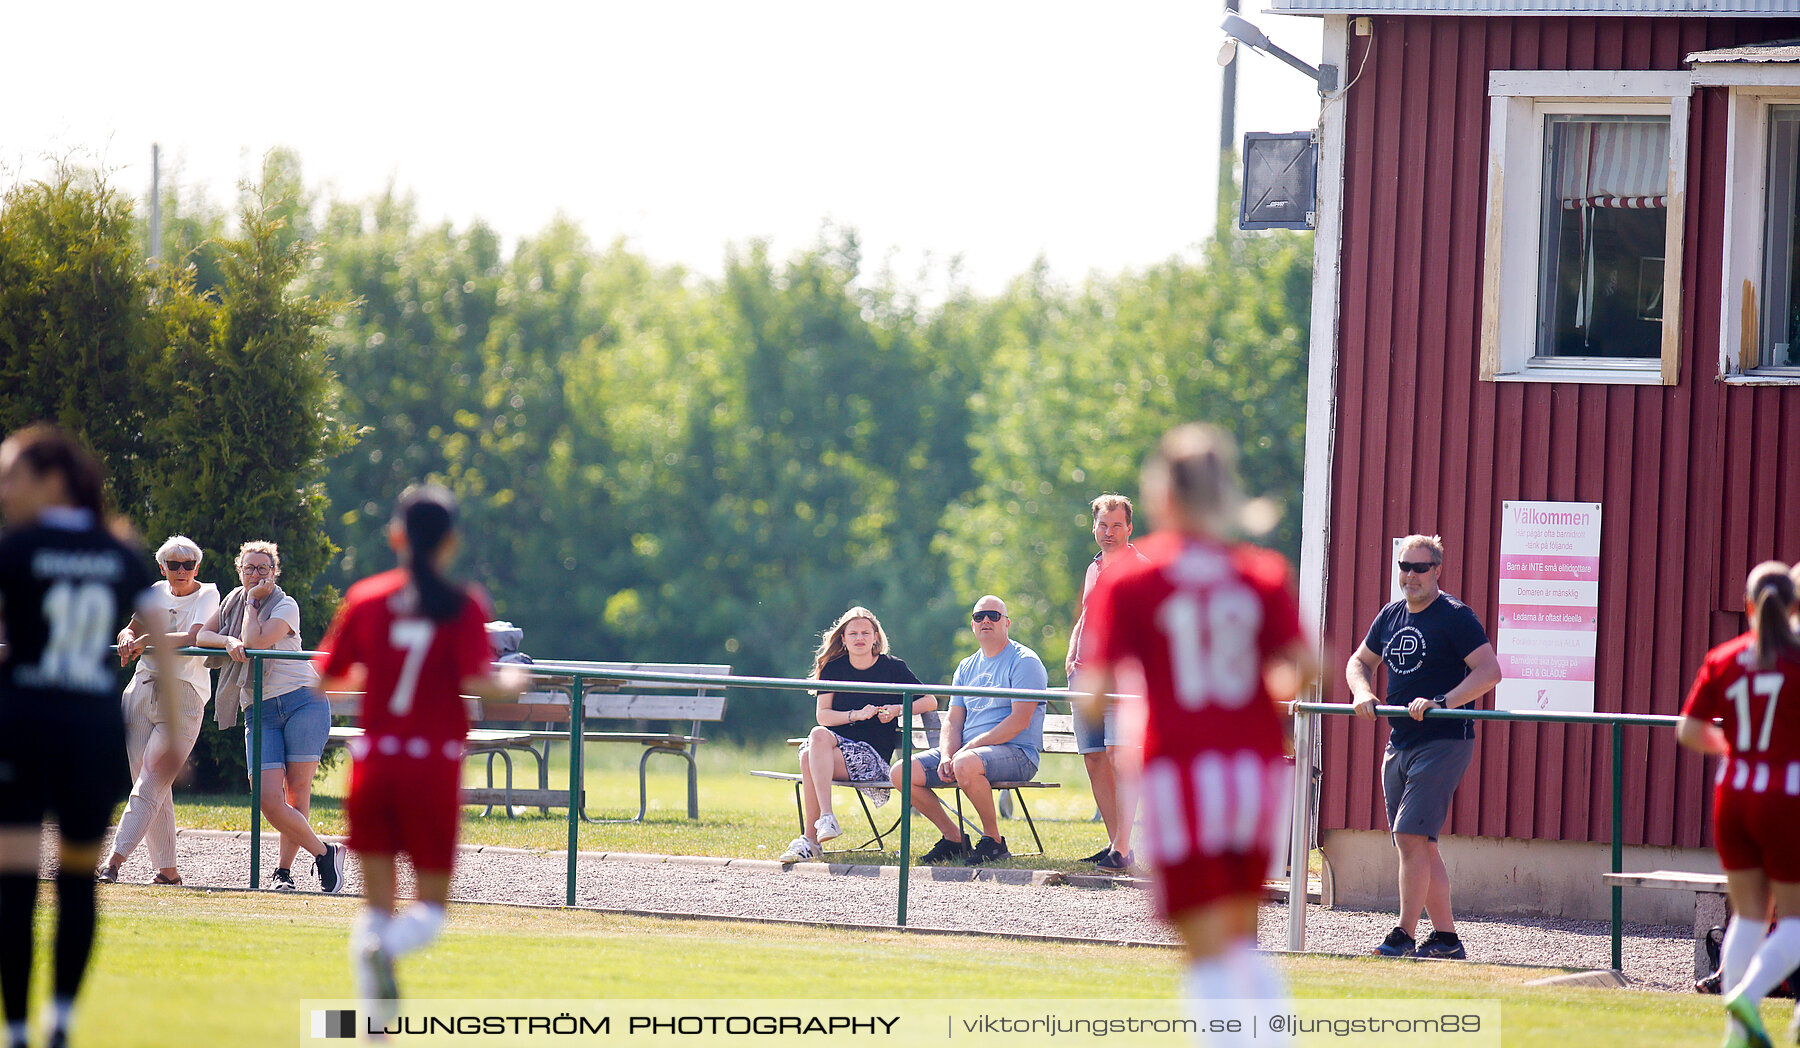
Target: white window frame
{"type": "Point", "coordinates": [1519, 102]}
{"type": "Point", "coordinates": [1751, 91]}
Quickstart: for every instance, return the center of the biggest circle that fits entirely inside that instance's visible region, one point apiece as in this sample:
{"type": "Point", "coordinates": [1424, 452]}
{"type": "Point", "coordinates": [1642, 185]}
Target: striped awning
{"type": "Point", "coordinates": [1630, 203]}
{"type": "Point", "coordinates": [1614, 163]}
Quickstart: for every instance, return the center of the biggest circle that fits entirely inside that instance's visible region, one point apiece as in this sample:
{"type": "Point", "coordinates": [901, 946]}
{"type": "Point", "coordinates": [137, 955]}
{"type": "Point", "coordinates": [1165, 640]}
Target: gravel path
{"type": "Point", "coordinates": [1038, 904]}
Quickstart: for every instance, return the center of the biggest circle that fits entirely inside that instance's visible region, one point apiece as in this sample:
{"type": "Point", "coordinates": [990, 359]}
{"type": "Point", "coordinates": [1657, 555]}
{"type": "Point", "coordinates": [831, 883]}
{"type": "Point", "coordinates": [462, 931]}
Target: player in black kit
{"type": "Point", "coordinates": [66, 586]}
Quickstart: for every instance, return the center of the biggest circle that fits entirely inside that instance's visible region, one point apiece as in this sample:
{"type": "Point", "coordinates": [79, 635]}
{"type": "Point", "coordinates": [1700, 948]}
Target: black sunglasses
{"type": "Point", "coordinates": [987, 616]}
{"type": "Point", "coordinates": [1418, 569]}
{"type": "Point", "coordinates": [181, 565]}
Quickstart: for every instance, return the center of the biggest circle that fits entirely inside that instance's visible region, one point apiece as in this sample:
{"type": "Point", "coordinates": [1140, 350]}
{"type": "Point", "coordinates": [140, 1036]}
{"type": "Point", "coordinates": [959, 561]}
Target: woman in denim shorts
{"type": "Point", "coordinates": [295, 715]}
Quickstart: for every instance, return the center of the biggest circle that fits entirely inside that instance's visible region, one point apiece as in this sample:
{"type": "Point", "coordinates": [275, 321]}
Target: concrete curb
{"type": "Point", "coordinates": [941, 874]}
{"type": "Point", "coordinates": [945, 874]}
{"type": "Point", "coordinates": [1602, 978]}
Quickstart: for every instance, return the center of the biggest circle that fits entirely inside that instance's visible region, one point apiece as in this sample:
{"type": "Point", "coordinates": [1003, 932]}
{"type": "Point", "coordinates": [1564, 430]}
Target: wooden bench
{"type": "Point", "coordinates": [532, 726]}
{"type": "Point", "coordinates": [1709, 902]}
{"type": "Point", "coordinates": [477, 743]}
{"type": "Point", "coordinates": [1059, 737]}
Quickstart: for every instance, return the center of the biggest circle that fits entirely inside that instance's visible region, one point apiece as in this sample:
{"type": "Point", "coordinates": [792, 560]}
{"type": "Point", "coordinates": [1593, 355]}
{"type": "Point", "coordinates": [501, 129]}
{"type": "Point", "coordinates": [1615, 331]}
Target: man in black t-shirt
{"type": "Point", "coordinates": [1437, 657]}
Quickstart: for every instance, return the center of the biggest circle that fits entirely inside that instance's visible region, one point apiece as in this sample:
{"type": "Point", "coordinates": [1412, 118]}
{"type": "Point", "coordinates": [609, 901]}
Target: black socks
{"type": "Point", "coordinates": [18, 898]}
{"type": "Point", "coordinates": [74, 930]}
{"type": "Point", "coordinates": [74, 937]}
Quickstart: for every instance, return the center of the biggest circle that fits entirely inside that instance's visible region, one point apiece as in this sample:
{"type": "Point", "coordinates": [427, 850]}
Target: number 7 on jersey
{"type": "Point", "coordinates": [414, 637]}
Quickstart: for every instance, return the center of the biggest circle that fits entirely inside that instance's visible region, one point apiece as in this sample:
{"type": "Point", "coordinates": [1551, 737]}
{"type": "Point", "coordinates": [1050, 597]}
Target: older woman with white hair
{"type": "Point", "coordinates": [159, 738]}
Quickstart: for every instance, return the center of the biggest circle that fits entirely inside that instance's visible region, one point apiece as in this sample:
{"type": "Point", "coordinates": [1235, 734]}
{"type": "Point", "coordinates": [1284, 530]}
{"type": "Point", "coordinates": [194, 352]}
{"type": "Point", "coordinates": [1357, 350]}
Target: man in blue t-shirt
{"type": "Point", "coordinates": [1437, 657]}
{"type": "Point", "coordinates": [985, 738]}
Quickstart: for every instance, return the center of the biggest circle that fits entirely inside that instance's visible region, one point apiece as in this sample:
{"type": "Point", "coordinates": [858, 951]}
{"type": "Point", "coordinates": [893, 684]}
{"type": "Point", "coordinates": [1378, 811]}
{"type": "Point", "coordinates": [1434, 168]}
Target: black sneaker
{"type": "Point", "coordinates": [1443, 945]}
{"type": "Point", "coordinates": [1397, 944]}
{"type": "Point", "coordinates": [1114, 862]}
{"type": "Point", "coordinates": [1104, 851]}
{"type": "Point", "coordinates": [989, 849]}
{"type": "Point", "coordinates": [282, 880]}
{"type": "Point", "coordinates": [330, 868]}
{"type": "Point", "coordinates": [945, 850]}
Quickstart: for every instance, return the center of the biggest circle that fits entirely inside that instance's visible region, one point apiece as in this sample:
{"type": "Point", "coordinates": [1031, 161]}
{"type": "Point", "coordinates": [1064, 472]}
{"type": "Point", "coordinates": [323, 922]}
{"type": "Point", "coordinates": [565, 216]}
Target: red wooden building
{"type": "Point", "coordinates": [1557, 259]}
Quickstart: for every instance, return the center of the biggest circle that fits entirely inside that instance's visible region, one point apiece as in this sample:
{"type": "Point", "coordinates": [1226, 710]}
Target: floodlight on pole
{"type": "Point", "coordinates": [1240, 30]}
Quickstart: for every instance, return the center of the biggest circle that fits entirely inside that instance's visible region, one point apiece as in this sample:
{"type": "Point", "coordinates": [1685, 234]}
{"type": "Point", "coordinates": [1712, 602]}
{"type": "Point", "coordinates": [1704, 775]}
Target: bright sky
{"type": "Point", "coordinates": [997, 131]}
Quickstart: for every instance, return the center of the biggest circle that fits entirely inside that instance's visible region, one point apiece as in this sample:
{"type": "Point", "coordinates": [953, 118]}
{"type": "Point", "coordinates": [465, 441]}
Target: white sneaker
{"type": "Point", "coordinates": [801, 850]}
{"type": "Point", "coordinates": [373, 968]}
{"type": "Point", "coordinates": [826, 829]}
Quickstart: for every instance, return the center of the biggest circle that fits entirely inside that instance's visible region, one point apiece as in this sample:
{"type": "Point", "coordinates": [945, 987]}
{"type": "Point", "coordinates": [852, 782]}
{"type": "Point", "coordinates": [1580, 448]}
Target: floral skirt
{"type": "Point", "coordinates": [864, 764]}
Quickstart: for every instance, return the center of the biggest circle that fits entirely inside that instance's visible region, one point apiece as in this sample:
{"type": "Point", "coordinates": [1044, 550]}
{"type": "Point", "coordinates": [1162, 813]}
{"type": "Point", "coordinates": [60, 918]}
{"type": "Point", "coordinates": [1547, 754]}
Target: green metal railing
{"type": "Point", "coordinates": [1305, 722]}
{"type": "Point", "coordinates": [583, 679]}
{"type": "Point", "coordinates": [253, 725]}
{"type": "Point", "coordinates": [907, 692]}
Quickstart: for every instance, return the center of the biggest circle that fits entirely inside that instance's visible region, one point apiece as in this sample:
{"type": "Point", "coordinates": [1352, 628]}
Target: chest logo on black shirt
{"type": "Point", "coordinates": [1405, 650]}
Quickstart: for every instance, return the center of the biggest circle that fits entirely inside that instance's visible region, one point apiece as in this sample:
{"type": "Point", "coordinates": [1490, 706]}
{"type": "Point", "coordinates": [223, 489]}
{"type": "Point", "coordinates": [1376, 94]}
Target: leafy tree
{"type": "Point", "coordinates": [246, 410]}
{"type": "Point", "coordinates": [782, 457]}
{"type": "Point", "coordinates": [659, 468]}
{"type": "Point", "coordinates": [212, 408]}
{"type": "Point", "coordinates": [406, 345]}
{"type": "Point", "coordinates": [248, 422]}
{"type": "Point", "coordinates": [456, 364]}
{"type": "Point", "coordinates": [75, 332]}
{"type": "Point", "coordinates": [652, 468]}
{"type": "Point", "coordinates": [1082, 382]}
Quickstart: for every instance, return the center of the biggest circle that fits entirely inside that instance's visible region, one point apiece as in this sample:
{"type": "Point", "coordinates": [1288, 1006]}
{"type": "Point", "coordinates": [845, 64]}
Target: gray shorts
{"type": "Point", "coordinates": [1094, 739]}
{"type": "Point", "coordinates": [1097, 739]}
{"type": "Point", "coordinates": [1003, 763]}
{"type": "Point", "coordinates": [1419, 782]}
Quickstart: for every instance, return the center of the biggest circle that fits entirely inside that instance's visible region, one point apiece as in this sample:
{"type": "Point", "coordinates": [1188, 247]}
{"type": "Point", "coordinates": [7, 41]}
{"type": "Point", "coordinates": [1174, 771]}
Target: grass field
{"type": "Point", "coordinates": [280, 949]}
{"type": "Point", "coordinates": [184, 967]}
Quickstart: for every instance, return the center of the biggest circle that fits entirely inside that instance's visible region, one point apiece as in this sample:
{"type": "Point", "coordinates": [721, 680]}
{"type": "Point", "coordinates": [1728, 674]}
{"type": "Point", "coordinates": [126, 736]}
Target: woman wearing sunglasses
{"type": "Point", "coordinates": [158, 738]}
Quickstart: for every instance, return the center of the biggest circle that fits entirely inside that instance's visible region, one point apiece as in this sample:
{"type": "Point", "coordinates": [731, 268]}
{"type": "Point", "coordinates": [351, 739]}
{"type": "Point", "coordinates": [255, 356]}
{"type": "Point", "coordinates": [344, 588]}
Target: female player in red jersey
{"type": "Point", "coordinates": [1751, 684]}
{"type": "Point", "coordinates": [1215, 631]}
{"type": "Point", "coordinates": [415, 644]}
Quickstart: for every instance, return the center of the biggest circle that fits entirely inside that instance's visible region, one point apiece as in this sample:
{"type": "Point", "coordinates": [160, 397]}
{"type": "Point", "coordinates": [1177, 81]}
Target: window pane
{"type": "Point", "coordinates": [1600, 272]}
{"type": "Point", "coordinates": [1780, 342]}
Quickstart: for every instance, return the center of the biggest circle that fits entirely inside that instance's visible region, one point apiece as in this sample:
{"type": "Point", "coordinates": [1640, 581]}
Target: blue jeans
{"type": "Point", "coordinates": [294, 727]}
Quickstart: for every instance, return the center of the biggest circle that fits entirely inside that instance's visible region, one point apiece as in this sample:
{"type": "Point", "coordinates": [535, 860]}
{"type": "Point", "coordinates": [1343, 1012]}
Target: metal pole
{"type": "Point", "coordinates": [906, 699]}
{"type": "Point", "coordinates": [1227, 141]}
{"type": "Point", "coordinates": [155, 251]}
{"type": "Point", "coordinates": [1300, 829]}
{"type": "Point", "coordinates": [577, 777]}
{"type": "Point", "coordinates": [1618, 844]}
{"type": "Point", "coordinates": [254, 727]}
